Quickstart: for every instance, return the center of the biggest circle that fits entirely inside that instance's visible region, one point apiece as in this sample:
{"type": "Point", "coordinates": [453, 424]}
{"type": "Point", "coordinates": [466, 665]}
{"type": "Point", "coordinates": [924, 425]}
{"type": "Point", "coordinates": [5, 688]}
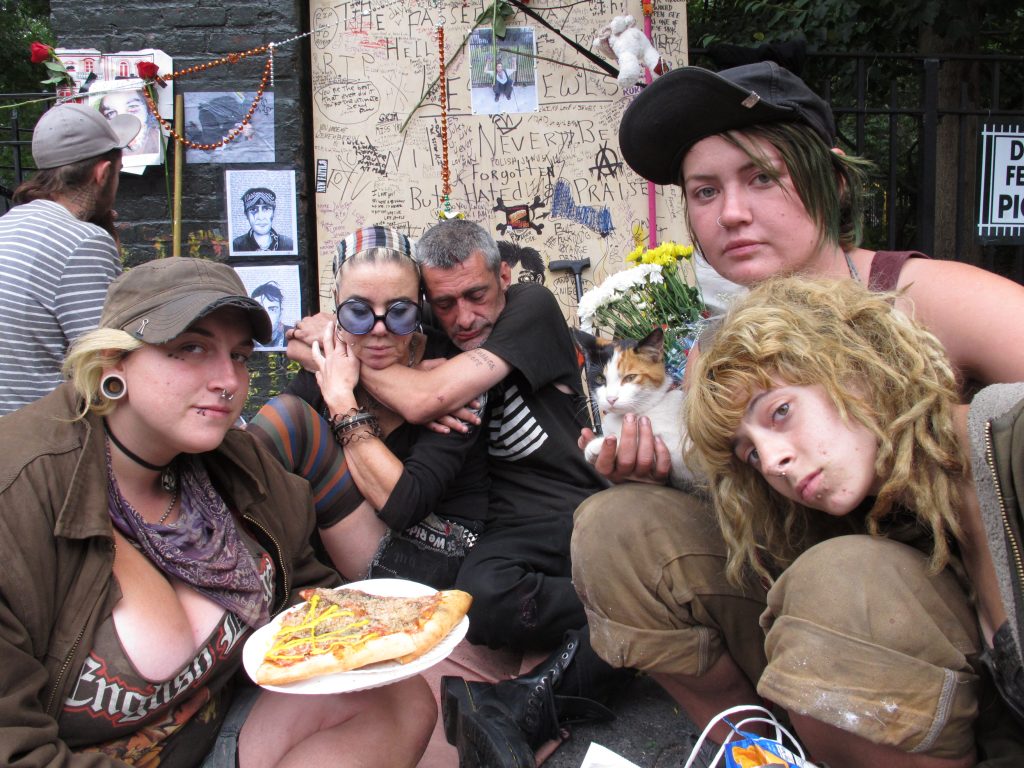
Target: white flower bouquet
{"type": "Point", "coordinates": [652, 292]}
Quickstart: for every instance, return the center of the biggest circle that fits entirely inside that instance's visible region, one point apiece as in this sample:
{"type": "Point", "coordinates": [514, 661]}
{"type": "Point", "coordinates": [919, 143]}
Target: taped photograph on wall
{"type": "Point", "coordinates": [261, 212]}
{"type": "Point", "coordinates": [278, 289]}
{"type": "Point", "coordinates": [125, 97]}
{"type": "Point", "coordinates": [210, 115]}
{"type": "Point", "coordinates": [109, 83]}
{"type": "Point", "coordinates": [503, 72]}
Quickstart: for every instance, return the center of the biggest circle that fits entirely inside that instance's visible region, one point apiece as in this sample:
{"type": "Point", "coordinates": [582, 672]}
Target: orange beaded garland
{"type": "Point", "coordinates": [231, 58]}
{"type": "Point", "coordinates": [446, 187]}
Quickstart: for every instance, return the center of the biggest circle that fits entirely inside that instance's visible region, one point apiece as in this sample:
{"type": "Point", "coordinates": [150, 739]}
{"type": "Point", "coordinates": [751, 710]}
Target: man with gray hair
{"type": "Point", "coordinates": [58, 247]}
{"type": "Point", "coordinates": [516, 348]}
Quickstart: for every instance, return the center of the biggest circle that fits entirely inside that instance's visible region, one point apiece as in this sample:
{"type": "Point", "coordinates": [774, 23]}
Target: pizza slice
{"type": "Point", "coordinates": [345, 629]}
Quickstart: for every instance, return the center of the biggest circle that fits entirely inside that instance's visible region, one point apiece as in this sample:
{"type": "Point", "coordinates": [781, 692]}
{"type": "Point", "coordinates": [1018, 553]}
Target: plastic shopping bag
{"type": "Point", "coordinates": [748, 750]}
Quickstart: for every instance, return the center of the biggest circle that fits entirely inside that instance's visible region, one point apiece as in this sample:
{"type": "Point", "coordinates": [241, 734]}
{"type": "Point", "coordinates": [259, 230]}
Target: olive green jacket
{"type": "Point", "coordinates": [57, 553]}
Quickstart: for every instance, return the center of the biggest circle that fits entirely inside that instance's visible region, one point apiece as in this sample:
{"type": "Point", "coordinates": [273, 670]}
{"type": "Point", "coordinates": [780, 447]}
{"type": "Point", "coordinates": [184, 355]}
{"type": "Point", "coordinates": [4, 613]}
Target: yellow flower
{"type": "Point", "coordinates": [664, 255]}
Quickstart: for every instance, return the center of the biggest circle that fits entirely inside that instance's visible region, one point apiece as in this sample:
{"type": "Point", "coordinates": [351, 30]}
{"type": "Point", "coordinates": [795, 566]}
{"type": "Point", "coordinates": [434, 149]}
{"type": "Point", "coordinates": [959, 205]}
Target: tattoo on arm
{"type": "Point", "coordinates": [480, 359]}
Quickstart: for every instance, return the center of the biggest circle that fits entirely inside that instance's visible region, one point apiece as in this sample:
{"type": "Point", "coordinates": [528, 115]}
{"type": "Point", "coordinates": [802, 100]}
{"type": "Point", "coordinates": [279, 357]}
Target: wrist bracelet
{"type": "Point", "coordinates": [342, 422]}
{"type": "Point", "coordinates": [353, 423]}
{"type": "Point", "coordinates": [350, 413]}
{"type": "Point", "coordinates": [361, 432]}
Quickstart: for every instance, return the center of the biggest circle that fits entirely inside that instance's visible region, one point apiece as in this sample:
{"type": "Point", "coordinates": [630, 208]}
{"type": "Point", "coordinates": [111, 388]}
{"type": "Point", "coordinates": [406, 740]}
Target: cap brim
{"type": "Point", "coordinates": [679, 109]}
{"type": "Point", "coordinates": [126, 127]}
{"type": "Point", "coordinates": [176, 316]}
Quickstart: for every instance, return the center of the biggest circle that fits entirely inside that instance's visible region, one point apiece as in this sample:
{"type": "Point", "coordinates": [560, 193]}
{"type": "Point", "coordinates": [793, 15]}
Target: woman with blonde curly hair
{"type": "Point", "coordinates": [817, 396]}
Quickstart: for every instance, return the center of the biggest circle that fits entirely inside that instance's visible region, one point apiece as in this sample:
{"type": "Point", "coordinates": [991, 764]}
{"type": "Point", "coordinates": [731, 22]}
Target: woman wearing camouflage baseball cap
{"type": "Point", "coordinates": [147, 539]}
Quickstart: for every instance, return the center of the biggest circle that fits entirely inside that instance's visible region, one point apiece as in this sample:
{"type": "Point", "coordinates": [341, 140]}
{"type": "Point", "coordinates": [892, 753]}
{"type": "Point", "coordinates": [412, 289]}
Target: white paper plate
{"type": "Point", "coordinates": [259, 643]}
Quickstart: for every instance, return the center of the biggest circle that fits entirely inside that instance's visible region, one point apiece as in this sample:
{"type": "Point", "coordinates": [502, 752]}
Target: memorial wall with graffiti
{"type": "Point", "coordinates": [529, 128]}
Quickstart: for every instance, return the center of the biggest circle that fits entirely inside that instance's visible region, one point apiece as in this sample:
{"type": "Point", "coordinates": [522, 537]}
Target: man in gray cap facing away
{"type": "Point", "coordinates": [58, 247]}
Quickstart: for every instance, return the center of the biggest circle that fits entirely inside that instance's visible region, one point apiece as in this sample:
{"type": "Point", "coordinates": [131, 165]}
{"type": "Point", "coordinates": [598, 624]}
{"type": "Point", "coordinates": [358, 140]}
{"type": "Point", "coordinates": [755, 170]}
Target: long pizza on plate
{"type": "Point", "coordinates": [338, 630]}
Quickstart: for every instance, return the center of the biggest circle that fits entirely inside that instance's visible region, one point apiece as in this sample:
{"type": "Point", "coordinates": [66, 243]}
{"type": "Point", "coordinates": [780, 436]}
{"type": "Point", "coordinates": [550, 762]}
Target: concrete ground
{"type": "Point", "coordinates": [649, 730]}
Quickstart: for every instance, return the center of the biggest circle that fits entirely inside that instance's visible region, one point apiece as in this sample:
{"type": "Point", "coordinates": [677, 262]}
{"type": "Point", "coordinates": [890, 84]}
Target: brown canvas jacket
{"type": "Point", "coordinates": [56, 557]}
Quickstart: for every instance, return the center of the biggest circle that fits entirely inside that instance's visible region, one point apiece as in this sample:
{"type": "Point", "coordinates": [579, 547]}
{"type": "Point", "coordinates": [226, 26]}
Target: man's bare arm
{"type": "Point", "coordinates": [424, 395]}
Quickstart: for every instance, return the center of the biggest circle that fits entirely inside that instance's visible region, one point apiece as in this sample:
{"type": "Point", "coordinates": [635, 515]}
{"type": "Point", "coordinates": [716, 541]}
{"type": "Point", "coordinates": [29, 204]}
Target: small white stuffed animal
{"type": "Point", "coordinates": [622, 41]}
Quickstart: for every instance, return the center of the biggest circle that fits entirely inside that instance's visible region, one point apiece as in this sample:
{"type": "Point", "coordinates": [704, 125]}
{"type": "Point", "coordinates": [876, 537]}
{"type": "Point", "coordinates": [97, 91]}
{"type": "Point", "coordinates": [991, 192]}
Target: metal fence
{"type": "Point", "coordinates": [16, 139]}
{"type": "Point", "coordinates": [919, 118]}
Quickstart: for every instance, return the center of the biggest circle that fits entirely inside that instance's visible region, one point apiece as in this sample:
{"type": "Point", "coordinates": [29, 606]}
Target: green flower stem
{"type": "Point", "coordinates": [672, 304]}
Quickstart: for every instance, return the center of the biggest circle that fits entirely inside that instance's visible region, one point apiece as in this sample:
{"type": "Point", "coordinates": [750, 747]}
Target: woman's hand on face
{"type": "Point", "coordinates": [337, 369]}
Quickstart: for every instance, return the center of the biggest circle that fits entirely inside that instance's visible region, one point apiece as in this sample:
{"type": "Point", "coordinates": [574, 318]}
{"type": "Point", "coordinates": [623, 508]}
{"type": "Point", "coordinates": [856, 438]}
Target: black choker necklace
{"type": "Point", "coordinates": [168, 477]}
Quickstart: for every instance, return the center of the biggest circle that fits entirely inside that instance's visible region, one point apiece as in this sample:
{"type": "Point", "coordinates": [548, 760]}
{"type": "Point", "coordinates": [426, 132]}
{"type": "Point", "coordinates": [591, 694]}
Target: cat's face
{"type": "Point", "coordinates": [625, 375]}
{"type": "Point", "coordinates": [630, 381]}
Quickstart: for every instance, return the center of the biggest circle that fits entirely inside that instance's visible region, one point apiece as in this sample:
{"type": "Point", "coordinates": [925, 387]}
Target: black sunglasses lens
{"type": "Point", "coordinates": [356, 317]}
{"type": "Point", "coordinates": [402, 317]}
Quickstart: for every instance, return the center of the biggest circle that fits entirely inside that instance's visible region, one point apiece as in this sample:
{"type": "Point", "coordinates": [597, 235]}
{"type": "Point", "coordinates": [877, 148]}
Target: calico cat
{"type": "Point", "coordinates": [629, 376]}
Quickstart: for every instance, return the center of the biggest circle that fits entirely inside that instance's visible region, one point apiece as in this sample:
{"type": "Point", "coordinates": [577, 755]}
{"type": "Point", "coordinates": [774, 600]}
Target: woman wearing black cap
{"type": "Point", "coordinates": [147, 540]}
{"type": "Point", "coordinates": [766, 194]}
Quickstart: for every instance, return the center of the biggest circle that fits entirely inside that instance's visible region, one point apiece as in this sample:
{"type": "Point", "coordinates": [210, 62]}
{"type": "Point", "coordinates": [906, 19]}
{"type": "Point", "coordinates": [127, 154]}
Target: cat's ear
{"type": "Point", "coordinates": [652, 346]}
{"type": "Point", "coordinates": [587, 343]}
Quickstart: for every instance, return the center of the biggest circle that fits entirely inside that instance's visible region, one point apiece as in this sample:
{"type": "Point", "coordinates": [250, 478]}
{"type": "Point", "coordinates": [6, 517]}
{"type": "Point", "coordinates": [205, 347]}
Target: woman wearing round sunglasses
{"type": "Point", "coordinates": [393, 499]}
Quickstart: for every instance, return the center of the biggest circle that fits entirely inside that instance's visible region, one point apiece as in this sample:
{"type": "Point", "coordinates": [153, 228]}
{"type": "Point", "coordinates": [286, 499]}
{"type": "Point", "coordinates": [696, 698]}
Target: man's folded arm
{"type": "Point", "coordinates": [425, 395]}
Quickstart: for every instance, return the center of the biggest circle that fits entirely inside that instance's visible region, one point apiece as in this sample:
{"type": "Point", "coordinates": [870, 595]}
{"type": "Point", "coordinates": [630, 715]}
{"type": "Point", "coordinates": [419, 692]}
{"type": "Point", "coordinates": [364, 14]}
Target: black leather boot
{"type": "Point", "coordinates": [501, 725]}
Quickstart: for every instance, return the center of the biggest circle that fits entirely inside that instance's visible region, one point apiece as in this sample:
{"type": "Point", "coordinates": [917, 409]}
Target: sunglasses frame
{"type": "Point", "coordinates": [382, 318]}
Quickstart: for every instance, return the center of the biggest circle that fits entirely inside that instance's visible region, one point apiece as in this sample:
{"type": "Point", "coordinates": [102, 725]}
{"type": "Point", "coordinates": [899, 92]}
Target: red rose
{"type": "Point", "coordinates": [40, 52]}
{"type": "Point", "coordinates": [147, 70]}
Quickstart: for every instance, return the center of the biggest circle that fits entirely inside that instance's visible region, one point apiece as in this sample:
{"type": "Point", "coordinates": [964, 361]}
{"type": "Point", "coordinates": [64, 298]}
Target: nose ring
{"type": "Point", "coordinates": [225, 395]}
{"type": "Point", "coordinates": [718, 221]}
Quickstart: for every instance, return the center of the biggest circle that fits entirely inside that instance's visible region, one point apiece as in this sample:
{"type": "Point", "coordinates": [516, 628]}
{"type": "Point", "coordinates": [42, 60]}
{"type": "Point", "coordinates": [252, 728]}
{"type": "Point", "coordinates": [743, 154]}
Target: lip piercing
{"type": "Point", "coordinates": [718, 221]}
{"type": "Point", "coordinates": [225, 395]}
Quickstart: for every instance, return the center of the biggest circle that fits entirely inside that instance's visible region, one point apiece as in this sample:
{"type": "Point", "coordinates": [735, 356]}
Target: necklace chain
{"type": "Point", "coordinates": [167, 512]}
{"type": "Point", "coordinates": [852, 267]}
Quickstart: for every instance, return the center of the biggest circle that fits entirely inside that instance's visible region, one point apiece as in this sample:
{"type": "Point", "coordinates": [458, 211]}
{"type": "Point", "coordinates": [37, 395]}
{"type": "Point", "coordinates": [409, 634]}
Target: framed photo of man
{"type": "Point", "coordinates": [261, 212]}
{"type": "Point", "coordinates": [278, 288]}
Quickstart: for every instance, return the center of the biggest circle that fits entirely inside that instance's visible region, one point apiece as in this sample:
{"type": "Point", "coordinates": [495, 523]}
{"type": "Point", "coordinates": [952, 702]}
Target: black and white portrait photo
{"type": "Point", "coordinates": [261, 212]}
{"type": "Point", "coordinates": [210, 116]}
{"type": "Point", "coordinates": [277, 288]}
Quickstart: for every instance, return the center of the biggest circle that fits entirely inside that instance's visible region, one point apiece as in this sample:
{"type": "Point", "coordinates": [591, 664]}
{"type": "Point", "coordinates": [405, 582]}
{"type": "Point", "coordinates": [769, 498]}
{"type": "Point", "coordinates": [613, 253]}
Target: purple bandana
{"type": "Point", "coordinates": [203, 548]}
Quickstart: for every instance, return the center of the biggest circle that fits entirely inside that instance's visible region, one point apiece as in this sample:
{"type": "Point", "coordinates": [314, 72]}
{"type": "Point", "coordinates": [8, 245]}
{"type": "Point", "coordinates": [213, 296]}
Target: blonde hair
{"type": "Point", "coordinates": [89, 354]}
{"type": "Point", "coordinates": [880, 369]}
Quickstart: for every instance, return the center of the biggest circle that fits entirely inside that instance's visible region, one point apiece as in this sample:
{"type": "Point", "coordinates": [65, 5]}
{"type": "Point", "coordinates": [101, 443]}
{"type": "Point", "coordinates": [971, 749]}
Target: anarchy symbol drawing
{"type": "Point", "coordinates": [606, 162]}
